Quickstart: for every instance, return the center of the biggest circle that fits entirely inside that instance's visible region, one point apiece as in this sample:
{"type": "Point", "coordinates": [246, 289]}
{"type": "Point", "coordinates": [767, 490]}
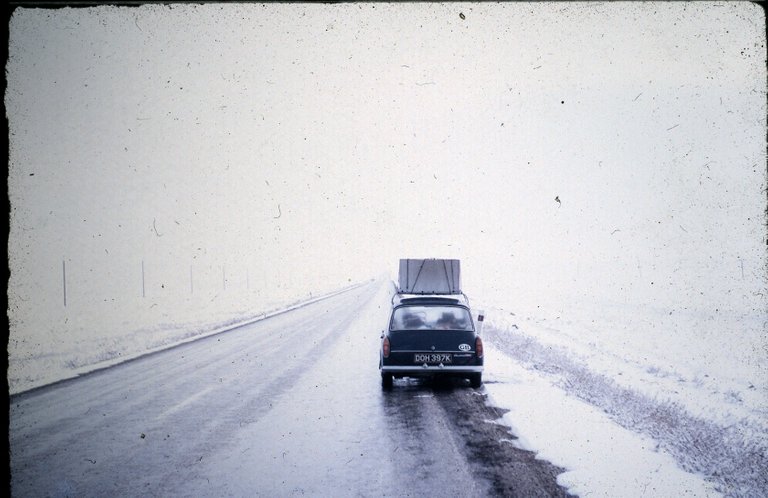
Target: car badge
{"type": "Point", "coordinates": [465, 347]}
{"type": "Point", "coordinates": [433, 348]}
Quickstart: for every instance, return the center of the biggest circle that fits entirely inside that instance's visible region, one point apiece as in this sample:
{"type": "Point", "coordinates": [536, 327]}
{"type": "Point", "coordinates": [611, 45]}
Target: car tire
{"type": "Point", "coordinates": [476, 380]}
{"type": "Point", "coordinates": [386, 381]}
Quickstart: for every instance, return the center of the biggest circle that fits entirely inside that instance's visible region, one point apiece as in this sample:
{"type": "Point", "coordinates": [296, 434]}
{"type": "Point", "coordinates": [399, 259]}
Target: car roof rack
{"type": "Point", "coordinates": [408, 298]}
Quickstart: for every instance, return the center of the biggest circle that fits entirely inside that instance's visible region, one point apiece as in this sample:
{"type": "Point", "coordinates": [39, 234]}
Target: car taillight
{"type": "Point", "coordinates": [385, 347]}
{"type": "Point", "coordinates": [479, 347]}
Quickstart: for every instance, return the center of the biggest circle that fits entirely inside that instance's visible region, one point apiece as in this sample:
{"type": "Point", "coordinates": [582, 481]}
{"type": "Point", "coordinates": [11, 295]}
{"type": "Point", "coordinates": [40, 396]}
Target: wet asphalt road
{"type": "Point", "coordinates": [288, 406]}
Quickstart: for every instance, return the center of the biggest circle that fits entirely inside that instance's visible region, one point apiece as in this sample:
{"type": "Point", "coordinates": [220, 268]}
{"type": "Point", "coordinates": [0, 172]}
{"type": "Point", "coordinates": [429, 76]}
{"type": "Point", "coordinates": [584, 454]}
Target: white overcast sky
{"type": "Point", "coordinates": [311, 144]}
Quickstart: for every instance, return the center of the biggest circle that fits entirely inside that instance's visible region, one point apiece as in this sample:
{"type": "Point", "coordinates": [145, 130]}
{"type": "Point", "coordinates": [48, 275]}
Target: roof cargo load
{"type": "Point", "coordinates": [430, 276]}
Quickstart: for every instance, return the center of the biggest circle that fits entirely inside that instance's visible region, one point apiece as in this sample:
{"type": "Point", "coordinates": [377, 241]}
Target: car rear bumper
{"type": "Point", "coordinates": [416, 370]}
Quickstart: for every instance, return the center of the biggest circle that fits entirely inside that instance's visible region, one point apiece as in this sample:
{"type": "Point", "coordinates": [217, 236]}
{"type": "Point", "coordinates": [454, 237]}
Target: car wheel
{"type": "Point", "coordinates": [386, 381]}
{"type": "Point", "coordinates": [476, 380]}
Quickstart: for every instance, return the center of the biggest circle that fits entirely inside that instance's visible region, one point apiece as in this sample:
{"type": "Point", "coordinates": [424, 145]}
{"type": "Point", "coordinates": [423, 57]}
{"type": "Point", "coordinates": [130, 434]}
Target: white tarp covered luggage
{"type": "Point", "coordinates": [430, 276]}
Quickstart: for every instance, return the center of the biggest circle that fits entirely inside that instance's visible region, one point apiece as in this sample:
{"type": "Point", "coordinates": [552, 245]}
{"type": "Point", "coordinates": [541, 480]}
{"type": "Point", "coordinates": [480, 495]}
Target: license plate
{"type": "Point", "coordinates": [432, 358]}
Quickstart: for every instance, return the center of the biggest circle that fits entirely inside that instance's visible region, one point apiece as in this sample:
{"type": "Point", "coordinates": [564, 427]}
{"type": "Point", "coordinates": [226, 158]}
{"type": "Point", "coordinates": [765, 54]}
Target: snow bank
{"type": "Point", "coordinates": [690, 401]}
{"type": "Point", "coordinates": [602, 458]}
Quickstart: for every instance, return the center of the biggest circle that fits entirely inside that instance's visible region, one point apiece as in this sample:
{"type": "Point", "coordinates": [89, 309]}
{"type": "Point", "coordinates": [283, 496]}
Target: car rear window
{"type": "Point", "coordinates": [431, 318]}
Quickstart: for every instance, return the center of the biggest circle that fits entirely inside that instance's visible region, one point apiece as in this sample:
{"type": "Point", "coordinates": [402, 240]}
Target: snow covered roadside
{"type": "Point", "coordinates": [83, 352]}
{"type": "Point", "coordinates": [602, 458]}
{"type": "Point", "coordinates": [624, 427]}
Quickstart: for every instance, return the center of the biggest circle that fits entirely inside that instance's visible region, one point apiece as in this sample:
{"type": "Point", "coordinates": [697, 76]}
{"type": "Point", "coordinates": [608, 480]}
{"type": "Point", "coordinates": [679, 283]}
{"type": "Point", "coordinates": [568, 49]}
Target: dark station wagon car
{"type": "Point", "coordinates": [430, 336]}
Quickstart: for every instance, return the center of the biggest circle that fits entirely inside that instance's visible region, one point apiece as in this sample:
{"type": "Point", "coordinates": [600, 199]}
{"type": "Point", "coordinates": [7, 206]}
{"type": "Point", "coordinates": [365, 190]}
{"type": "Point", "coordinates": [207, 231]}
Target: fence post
{"type": "Point", "coordinates": [64, 280]}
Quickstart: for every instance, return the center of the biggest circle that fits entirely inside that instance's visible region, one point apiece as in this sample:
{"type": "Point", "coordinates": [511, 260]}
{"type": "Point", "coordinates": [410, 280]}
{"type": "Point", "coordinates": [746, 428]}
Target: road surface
{"type": "Point", "coordinates": [287, 406]}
